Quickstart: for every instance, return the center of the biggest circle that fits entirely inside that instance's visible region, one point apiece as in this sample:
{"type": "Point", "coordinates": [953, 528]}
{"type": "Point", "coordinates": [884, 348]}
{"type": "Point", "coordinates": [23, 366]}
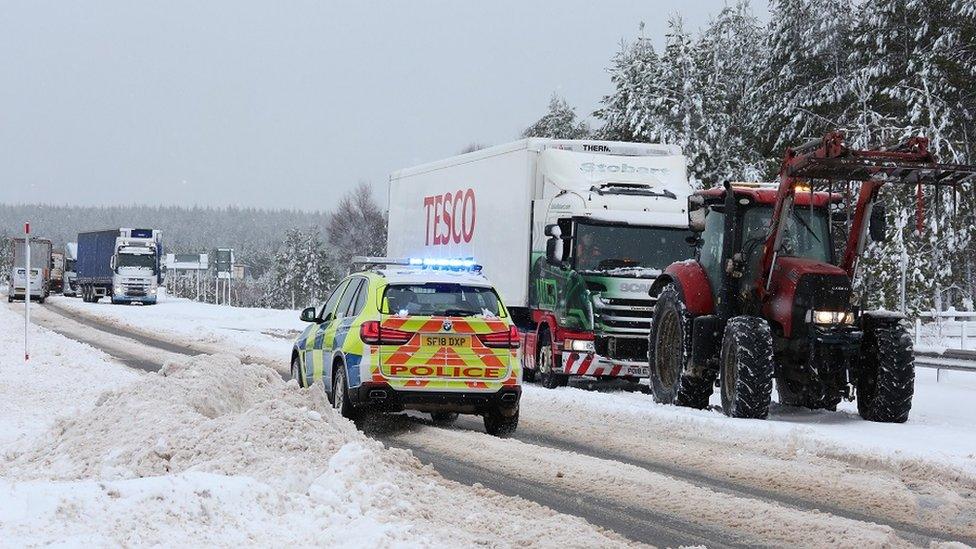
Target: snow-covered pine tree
{"type": "Point", "coordinates": [633, 74]}
{"type": "Point", "coordinates": [5, 256]}
{"type": "Point", "coordinates": [729, 58]}
{"type": "Point", "coordinates": [804, 86]}
{"type": "Point", "coordinates": [559, 122]}
{"type": "Point", "coordinates": [675, 114]}
{"type": "Point", "coordinates": [913, 56]}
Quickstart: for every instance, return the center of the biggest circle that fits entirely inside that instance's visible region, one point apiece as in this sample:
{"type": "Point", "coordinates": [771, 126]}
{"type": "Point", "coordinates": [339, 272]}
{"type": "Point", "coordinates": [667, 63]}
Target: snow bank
{"type": "Point", "coordinates": [213, 451]}
{"type": "Point", "coordinates": [63, 378]}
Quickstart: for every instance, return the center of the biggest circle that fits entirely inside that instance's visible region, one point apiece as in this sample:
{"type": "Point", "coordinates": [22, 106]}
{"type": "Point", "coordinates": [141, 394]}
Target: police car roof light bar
{"type": "Point", "coordinates": [456, 264]}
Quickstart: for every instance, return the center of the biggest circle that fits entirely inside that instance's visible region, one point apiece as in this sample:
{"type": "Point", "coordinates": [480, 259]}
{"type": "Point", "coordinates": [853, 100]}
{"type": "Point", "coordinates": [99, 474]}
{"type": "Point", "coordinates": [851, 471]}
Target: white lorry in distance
{"type": "Point", "coordinates": [70, 274]}
{"type": "Point", "coordinates": [121, 264]}
{"type": "Point", "coordinates": [572, 233]}
{"type": "Point", "coordinates": [40, 269]}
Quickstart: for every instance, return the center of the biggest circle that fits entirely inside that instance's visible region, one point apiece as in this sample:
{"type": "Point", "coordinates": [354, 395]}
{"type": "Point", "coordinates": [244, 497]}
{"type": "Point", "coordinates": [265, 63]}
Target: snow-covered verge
{"type": "Point", "coordinates": [61, 379]}
{"type": "Point", "coordinates": [211, 451]}
{"type": "Point", "coordinates": [258, 335]}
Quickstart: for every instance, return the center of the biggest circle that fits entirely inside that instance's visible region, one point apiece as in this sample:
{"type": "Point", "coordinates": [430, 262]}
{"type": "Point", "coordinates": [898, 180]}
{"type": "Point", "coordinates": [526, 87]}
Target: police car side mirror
{"type": "Point", "coordinates": [308, 315]}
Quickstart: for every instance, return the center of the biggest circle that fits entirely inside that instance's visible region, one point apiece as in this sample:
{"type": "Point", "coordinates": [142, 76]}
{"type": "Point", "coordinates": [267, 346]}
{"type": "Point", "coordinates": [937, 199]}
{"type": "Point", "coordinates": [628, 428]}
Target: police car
{"type": "Point", "coordinates": [428, 335]}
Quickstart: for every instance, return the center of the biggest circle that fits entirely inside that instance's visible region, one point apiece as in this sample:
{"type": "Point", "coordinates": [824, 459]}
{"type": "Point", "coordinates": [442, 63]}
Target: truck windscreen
{"type": "Point", "coordinates": [607, 247]}
{"type": "Point", "coordinates": [440, 299]}
{"type": "Point", "coordinates": [147, 261]}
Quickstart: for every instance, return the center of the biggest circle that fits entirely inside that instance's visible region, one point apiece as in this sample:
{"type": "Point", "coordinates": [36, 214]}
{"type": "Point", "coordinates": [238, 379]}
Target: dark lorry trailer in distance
{"type": "Point", "coordinates": [122, 264]}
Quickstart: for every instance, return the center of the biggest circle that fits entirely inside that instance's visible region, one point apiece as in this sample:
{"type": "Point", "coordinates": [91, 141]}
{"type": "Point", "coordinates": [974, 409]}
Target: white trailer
{"type": "Point", "coordinates": [40, 270]}
{"type": "Point", "coordinates": [571, 234]}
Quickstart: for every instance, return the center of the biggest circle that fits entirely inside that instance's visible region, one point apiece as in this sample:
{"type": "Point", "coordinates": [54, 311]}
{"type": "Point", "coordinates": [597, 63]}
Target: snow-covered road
{"type": "Point", "coordinates": [654, 473]}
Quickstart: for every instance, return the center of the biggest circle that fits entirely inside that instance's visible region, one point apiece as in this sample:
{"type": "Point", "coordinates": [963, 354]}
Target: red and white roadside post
{"type": "Point", "coordinates": [27, 290]}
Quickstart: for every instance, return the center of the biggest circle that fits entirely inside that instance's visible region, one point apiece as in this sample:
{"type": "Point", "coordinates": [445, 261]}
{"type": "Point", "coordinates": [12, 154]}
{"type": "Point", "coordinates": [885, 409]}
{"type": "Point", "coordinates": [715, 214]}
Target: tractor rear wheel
{"type": "Point", "coordinates": [886, 374]}
{"type": "Point", "coordinates": [669, 347]}
{"type": "Point", "coordinates": [747, 367]}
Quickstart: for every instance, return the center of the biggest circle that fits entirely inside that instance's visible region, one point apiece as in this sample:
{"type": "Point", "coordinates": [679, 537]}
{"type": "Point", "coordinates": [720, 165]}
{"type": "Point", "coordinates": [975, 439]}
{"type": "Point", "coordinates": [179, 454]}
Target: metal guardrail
{"type": "Point", "coordinates": [952, 359]}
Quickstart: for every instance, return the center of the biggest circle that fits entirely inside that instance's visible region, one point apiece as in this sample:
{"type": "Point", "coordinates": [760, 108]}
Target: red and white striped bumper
{"type": "Point", "coordinates": [589, 364]}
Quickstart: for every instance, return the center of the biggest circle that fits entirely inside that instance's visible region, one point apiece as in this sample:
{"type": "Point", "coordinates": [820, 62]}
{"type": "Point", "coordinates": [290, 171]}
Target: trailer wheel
{"type": "Point", "coordinates": [549, 363]}
{"type": "Point", "coordinates": [669, 346]}
{"type": "Point", "coordinates": [747, 367]}
{"type": "Point", "coordinates": [886, 374]}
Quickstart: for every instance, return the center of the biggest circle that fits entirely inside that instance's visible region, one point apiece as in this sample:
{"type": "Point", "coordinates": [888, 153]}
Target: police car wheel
{"type": "Point", "coordinates": [340, 394]}
{"type": "Point", "coordinates": [443, 418]}
{"type": "Point", "coordinates": [499, 425]}
{"type": "Point", "coordinates": [296, 372]}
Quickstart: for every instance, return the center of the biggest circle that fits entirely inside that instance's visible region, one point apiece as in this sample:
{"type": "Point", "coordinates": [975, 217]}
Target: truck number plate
{"type": "Point", "coordinates": [447, 341]}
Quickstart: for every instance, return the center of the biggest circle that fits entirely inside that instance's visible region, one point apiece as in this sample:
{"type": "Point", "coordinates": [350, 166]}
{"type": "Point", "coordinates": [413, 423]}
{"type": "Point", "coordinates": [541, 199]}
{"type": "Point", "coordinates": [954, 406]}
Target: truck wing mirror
{"type": "Point", "coordinates": [308, 314]}
{"type": "Point", "coordinates": [554, 250]}
{"type": "Point", "coordinates": [878, 224]}
{"type": "Point", "coordinates": [696, 213]}
{"type": "Point", "coordinates": [111, 262]}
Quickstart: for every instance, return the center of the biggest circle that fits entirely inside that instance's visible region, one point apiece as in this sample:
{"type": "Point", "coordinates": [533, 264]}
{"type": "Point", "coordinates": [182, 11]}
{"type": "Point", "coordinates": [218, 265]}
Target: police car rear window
{"type": "Point", "coordinates": [441, 299]}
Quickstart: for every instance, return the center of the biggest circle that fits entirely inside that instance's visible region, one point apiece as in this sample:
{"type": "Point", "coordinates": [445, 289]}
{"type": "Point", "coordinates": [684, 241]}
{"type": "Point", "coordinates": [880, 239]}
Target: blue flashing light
{"type": "Point", "coordinates": [454, 264]}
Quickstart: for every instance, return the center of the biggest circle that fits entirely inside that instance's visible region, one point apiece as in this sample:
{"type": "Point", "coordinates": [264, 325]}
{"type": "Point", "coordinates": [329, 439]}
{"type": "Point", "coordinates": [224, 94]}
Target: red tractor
{"type": "Point", "coordinates": [767, 299]}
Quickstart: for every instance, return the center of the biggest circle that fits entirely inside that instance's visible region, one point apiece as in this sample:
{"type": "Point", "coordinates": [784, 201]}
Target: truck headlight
{"type": "Point", "coordinates": [119, 290]}
{"type": "Point", "coordinates": [152, 291]}
{"type": "Point", "coordinates": [579, 345]}
{"type": "Point", "coordinates": [831, 317]}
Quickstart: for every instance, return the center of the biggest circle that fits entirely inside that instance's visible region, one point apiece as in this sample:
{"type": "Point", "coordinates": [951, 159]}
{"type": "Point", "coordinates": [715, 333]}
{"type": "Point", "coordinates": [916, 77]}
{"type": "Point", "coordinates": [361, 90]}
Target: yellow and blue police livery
{"type": "Point", "coordinates": [428, 335]}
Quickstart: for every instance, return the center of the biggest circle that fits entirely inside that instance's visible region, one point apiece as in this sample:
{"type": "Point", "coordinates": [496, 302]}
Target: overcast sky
{"type": "Point", "coordinates": [285, 104]}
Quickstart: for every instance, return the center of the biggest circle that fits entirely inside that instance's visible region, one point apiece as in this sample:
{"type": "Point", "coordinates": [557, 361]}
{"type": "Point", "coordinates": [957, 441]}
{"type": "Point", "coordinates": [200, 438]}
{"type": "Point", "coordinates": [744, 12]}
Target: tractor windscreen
{"type": "Point", "coordinates": [608, 247]}
{"type": "Point", "coordinates": [807, 235]}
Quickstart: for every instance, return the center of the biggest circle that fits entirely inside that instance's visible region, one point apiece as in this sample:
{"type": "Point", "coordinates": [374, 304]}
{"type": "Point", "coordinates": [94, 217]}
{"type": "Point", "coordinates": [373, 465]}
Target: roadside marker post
{"type": "Point", "coordinates": [27, 291]}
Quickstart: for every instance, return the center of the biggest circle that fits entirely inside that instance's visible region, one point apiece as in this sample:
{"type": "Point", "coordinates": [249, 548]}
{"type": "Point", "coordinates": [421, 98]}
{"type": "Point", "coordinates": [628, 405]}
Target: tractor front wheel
{"type": "Point", "coordinates": [669, 347]}
{"type": "Point", "coordinates": [747, 367]}
{"type": "Point", "coordinates": [886, 374]}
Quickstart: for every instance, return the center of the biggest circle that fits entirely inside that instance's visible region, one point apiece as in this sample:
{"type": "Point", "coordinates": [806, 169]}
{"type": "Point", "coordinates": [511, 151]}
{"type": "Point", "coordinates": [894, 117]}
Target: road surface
{"type": "Point", "coordinates": [648, 483]}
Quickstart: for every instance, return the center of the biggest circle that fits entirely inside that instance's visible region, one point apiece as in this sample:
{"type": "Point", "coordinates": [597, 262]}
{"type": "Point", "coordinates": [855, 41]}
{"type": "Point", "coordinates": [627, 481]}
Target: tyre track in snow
{"type": "Point", "coordinates": [133, 337]}
{"type": "Point", "coordinates": [912, 533]}
{"type": "Point", "coordinates": [636, 522]}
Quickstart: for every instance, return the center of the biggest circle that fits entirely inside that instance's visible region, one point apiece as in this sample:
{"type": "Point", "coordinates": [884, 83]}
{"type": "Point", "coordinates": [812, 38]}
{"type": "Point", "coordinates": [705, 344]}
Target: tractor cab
{"type": "Point", "coordinates": [807, 246]}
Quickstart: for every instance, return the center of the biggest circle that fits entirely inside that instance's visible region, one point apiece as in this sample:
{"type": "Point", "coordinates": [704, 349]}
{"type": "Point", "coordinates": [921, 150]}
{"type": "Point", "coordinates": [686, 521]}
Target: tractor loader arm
{"type": "Point", "coordinates": [828, 160]}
